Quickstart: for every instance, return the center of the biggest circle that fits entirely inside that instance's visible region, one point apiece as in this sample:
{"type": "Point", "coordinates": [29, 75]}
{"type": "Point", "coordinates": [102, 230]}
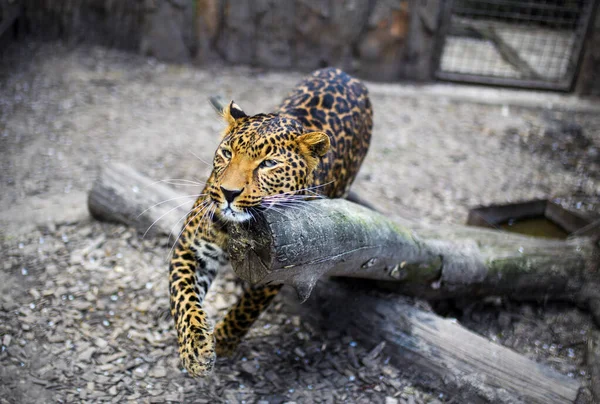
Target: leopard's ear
{"type": "Point", "coordinates": [233, 112]}
{"type": "Point", "coordinates": [317, 144]}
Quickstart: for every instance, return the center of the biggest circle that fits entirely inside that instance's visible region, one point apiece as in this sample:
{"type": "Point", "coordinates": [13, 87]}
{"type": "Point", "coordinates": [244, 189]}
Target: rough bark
{"type": "Point", "coordinates": [337, 237]}
{"type": "Point", "coordinates": [122, 195]}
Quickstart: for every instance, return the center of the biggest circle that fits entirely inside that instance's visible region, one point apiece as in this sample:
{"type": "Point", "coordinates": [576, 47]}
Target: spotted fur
{"type": "Point", "coordinates": [313, 143]}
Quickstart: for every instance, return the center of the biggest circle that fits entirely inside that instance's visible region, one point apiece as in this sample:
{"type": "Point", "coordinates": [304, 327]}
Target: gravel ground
{"type": "Point", "coordinates": [84, 305]}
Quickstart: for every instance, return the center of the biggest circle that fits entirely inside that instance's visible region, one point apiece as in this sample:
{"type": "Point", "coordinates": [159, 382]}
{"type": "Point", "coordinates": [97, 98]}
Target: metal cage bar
{"type": "Point", "coordinates": [530, 43]}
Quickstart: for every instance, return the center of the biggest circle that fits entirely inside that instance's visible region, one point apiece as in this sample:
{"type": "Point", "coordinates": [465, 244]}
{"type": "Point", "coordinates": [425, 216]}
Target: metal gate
{"type": "Point", "coordinates": [523, 43]}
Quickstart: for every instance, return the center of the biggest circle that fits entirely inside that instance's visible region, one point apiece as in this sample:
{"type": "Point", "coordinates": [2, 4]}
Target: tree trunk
{"type": "Point", "coordinates": [337, 237]}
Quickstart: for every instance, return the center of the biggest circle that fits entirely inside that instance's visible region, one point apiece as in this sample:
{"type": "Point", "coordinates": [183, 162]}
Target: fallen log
{"type": "Point", "coordinates": [439, 352]}
{"type": "Point", "coordinates": [339, 238]}
{"type": "Point", "coordinates": [122, 195]}
{"type": "Point", "coordinates": [445, 355]}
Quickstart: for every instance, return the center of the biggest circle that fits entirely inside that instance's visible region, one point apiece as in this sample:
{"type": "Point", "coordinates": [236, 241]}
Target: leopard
{"type": "Point", "coordinates": [312, 145]}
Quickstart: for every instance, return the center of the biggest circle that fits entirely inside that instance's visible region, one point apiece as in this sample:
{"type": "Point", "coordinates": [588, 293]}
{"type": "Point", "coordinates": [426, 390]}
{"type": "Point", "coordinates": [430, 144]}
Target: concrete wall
{"type": "Point", "coordinates": [383, 40]}
{"type": "Point", "coordinates": [114, 23]}
{"type": "Point", "coordinates": [376, 39]}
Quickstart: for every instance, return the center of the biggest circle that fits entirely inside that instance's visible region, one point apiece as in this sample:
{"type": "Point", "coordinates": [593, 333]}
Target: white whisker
{"type": "Point", "coordinates": [173, 181]}
{"type": "Point", "coordinates": [207, 213]}
{"type": "Point", "coordinates": [200, 158]}
{"type": "Point", "coordinates": [198, 208]}
{"type": "Point", "coordinates": [212, 213]}
{"type": "Point", "coordinates": [275, 208]}
{"type": "Point", "coordinates": [163, 215]}
{"type": "Point", "coordinates": [183, 183]}
{"type": "Point", "coordinates": [195, 196]}
{"type": "Point", "coordinates": [203, 209]}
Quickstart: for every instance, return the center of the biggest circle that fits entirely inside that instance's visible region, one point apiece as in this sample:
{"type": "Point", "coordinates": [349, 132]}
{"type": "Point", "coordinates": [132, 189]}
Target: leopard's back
{"type": "Point", "coordinates": [333, 102]}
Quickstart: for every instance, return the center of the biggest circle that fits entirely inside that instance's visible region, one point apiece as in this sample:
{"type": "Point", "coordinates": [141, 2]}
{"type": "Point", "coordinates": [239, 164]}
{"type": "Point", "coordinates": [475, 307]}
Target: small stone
{"type": "Point", "coordinates": [248, 367]}
{"type": "Point", "coordinates": [158, 372]}
{"type": "Point", "coordinates": [101, 343]}
{"type": "Point", "coordinates": [375, 352]}
{"type": "Point", "coordinates": [504, 319]}
{"type": "Point", "coordinates": [111, 358]}
{"type": "Point", "coordinates": [141, 371]}
{"type": "Point", "coordinates": [86, 355]}
{"type": "Point", "coordinates": [6, 340]}
{"type": "Point", "coordinates": [143, 306]}
{"type": "Point", "coordinates": [80, 305]}
{"type": "Point", "coordinates": [391, 400]}
{"type": "Point", "coordinates": [76, 258]}
{"type": "Point", "coordinates": [389, 371]}
{"type": "Point", "coordinates": [34, 293]}
{"type": "Point", "coordinates": [52, 269]}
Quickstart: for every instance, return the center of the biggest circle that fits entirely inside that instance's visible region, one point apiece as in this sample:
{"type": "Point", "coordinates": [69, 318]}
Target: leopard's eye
{"type": "Point", "coordinates": [226, 153]}
{"type": "Point", "coordinates": [268, 163]}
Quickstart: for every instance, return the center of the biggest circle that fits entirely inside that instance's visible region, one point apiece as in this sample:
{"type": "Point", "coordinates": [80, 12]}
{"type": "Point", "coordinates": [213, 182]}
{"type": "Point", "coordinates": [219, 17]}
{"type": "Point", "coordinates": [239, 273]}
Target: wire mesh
{"type": "Point", "coordinates": [533, 43]}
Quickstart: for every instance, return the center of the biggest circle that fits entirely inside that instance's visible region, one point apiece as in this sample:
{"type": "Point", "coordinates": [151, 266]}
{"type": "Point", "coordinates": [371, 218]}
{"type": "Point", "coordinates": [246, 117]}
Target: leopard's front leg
{"type": "Point", "coordinates": [193, 266]}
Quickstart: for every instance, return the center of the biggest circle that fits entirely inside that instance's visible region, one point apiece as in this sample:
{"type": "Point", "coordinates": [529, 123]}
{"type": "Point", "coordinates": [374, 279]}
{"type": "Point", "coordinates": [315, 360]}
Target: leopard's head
{"type": "Point", "coordinates": [260, 160]}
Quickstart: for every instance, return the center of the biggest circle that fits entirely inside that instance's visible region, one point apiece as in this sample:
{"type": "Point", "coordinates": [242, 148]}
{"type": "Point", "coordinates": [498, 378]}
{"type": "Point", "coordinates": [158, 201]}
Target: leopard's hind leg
{"type": "Point", "coordinates": [234, 326]}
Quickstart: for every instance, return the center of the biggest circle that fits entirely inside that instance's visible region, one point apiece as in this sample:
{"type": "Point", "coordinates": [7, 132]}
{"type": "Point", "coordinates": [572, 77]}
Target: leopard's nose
{"type": "Point", "coordinates": [231, 194]}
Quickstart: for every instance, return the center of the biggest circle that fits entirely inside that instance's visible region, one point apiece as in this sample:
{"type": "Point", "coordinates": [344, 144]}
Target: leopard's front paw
{"type": "Point", "coordinates": [197, 352]}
